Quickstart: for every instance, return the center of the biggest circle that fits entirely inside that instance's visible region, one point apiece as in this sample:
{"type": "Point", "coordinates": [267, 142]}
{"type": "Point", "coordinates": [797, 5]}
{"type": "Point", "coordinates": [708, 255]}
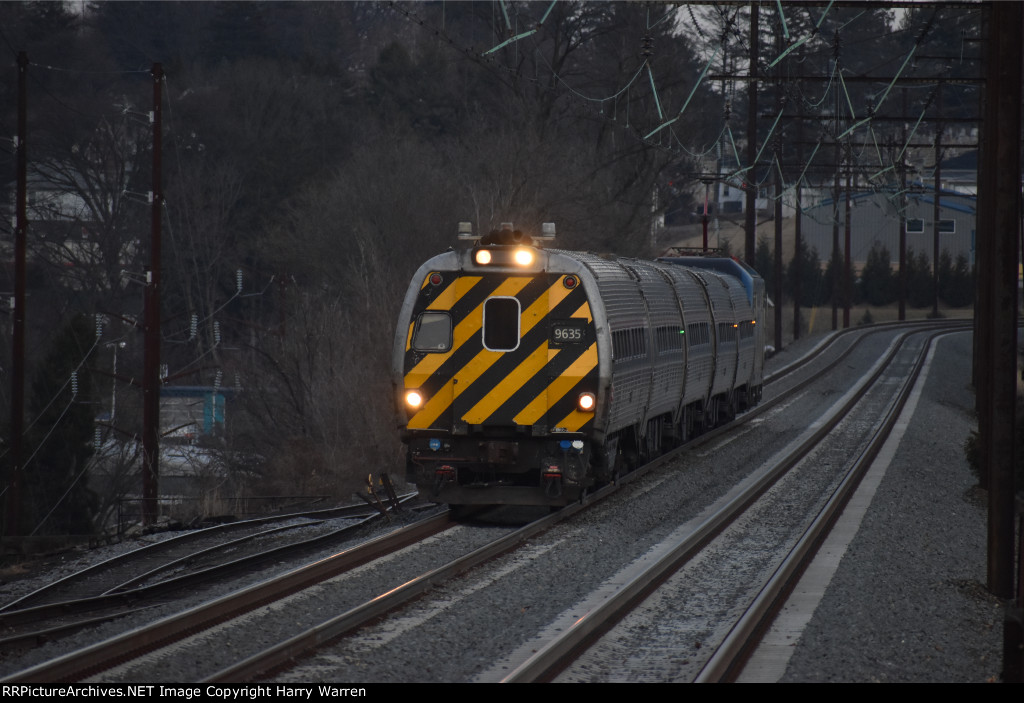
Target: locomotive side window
{"type": "Point", "coordinates": [629, 344]}
{"type": "Point", "coordinates": [726, 333]}
{"type": "Point", "coordinates": [669, 338]}
{"type": "Point", "coordinates": [433, 332]}
{"type": "Point", "coordinates": [501, 324]}
{"type": "Point", "coordinates": [699, 333]}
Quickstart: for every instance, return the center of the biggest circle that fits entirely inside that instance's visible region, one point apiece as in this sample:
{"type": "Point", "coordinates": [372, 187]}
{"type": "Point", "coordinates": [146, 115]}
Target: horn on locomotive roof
{"type": "Point", "coordinates": [547, 232]}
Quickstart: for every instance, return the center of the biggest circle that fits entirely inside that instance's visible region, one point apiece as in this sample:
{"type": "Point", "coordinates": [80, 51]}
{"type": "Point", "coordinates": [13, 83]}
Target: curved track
{"type": "Point", "coordinates": [692, 546]}
{"type": "Point", "coordinates": [135, 579]}
{"type": "Point", "coordinates": [782, 385]}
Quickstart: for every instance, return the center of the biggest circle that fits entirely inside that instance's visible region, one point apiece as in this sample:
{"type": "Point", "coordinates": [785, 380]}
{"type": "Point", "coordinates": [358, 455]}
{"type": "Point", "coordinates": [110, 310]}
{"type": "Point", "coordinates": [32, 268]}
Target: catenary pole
{"type": "Point", "coordinates": [18, 332]}
{"type": "Point", "coordinates": [151, 363]}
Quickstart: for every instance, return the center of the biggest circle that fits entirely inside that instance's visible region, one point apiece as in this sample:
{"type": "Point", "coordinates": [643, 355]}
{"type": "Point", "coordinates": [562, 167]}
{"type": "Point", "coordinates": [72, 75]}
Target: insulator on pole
{"type": "Point", "coordinates": [647, 46]}
{"type": "Point", "coordinates": [193, 328]}
{"type": "Point", "coordinates": [238, 280]}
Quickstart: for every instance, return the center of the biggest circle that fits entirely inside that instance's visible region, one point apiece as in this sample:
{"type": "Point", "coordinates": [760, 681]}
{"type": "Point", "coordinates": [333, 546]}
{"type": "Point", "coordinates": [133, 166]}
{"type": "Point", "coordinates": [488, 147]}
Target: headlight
{"type": "Point", "coordinates": [483, 257]}
{"type": "Point", "coordinates": [586, 402]}
{"type": "Point", "coordinates": [523, 257]}
{"type": "Point", "coordinates": [414, 399]}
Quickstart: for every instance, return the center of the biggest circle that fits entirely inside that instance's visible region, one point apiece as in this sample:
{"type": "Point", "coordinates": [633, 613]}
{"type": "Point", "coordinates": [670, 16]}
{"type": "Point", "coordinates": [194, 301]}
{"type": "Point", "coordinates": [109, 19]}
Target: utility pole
{"type": "Point", "coordinates": [835, 189]}
{"type": "Point", "coordinates": [18, 332]}
{"type": "Point", "coordinates": [937, 210]}
{"type": "Point", "coordinates": [902, 293]}
{"type": "Point", "coordinates": [798, 214]}
{"type": "Point", "coordinates": [751, 176]}
{"type": "Point", "coordinates": [847, 258]}
{"type": "Point", "coordinates": [151, 363]}
{"type": "Point", "coordinates": [999, 223]}
{"type": "Point", "coordinates": [704, 220]}
{"type": "Point", "coordinates": [999, 212]}
{"type": "Point", "coordinates": [777, 293]}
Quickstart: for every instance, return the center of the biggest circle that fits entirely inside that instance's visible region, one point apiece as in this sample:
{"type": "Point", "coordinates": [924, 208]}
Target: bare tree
{"type": "Point", "coordinates": [88, 209]}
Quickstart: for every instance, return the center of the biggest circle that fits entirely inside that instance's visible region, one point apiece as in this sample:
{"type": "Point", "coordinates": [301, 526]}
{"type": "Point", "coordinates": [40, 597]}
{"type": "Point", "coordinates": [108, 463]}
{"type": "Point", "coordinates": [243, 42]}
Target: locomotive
{"type": "Point", "coordinates": [527, 375]}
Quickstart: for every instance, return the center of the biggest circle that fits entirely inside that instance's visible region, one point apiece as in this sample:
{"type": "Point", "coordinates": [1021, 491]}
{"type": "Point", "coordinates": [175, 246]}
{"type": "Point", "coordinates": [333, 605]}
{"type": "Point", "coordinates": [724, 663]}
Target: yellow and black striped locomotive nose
{"type": "Point", "coordinates": [501, 350]}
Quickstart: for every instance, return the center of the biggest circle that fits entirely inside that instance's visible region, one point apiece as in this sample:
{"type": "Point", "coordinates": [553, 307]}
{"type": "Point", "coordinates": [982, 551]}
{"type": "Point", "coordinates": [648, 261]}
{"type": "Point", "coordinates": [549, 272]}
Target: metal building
{"type": "Point", "coordinates": [875, 219]}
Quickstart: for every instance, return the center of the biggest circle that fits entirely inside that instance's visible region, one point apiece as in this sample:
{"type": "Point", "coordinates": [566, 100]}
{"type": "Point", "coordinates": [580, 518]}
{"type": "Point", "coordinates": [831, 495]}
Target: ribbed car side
{"type": "Point", "coordinates": [530, 381]}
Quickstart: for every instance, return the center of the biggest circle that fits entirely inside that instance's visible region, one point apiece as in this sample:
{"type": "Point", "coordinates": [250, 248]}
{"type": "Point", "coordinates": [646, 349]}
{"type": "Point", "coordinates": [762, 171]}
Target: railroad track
{"type": "Point", "coordinates": [837, 347]}
{"type": "Point", "coordinates": [638, 584]}
{"type": "Point", "coordinates": [131, 580]}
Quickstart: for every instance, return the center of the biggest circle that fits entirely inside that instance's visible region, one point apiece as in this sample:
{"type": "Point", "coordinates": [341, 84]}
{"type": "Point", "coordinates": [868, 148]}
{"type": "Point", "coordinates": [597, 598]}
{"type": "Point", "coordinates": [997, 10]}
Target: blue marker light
{"type": "Point", "coordinates": [435, 444]}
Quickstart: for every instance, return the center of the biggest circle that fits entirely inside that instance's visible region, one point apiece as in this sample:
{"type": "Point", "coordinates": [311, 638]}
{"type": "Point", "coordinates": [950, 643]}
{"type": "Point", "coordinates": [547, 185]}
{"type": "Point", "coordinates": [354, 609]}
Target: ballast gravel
{"type": "Point", "coordinates": [907, 603]}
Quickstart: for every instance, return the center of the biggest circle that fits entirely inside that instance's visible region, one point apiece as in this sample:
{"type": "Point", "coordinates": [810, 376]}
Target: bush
{"type": "Point", "coordinates": [972, 452]}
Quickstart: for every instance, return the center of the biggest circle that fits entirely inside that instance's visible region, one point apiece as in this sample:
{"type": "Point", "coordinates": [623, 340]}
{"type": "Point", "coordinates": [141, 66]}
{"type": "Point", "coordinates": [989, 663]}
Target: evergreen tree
{"type": "Point", "coordinates": [877, 283]}
{"type": "Point", "coordinates": [833, 279]}
{"type": "Point", "coordinates": [920, 288]}
{"type": "Point", "coordinates": [764, 264]}
{"type": "Point", "coordinates": [808, 265]}
{"type": "Point", "coordinates": [959, 290]}
{"type": "Point", "coordinates": [945, 274]}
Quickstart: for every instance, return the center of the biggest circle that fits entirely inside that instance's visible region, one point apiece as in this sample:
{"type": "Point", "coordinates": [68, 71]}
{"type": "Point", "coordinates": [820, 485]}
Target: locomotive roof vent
{"type": "Point", "coordinates": [507, 234]}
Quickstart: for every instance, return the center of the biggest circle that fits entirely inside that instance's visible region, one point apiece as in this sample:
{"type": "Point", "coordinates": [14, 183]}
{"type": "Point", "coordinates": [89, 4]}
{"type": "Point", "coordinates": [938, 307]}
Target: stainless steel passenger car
{"type": "Point", "coordinates": [526, 375]}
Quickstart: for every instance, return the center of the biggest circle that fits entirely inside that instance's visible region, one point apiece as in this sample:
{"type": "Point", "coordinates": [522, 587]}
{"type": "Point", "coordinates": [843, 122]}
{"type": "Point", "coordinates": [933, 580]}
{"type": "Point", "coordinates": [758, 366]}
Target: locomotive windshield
{"type": "Point", "coordinates": [433, 332]}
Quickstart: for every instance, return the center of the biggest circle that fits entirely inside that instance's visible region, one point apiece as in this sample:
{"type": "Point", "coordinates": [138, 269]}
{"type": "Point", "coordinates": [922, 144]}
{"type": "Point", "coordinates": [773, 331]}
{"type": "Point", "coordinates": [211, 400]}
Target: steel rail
{"type": "Point", "coordinates": [551, 657]}
{"type": "Point", "coordinates": [151, 638]}
{"type": "Point", "coordinates": [727, 661]}
{"type": "Point", "coordinates": [22, 603]}
{"type": "Point", "coordinates": [102, 655]}
{"type": "Point", "coordinates": [319, 635]}
{"type": "Point", "coordinates": [837, 335]}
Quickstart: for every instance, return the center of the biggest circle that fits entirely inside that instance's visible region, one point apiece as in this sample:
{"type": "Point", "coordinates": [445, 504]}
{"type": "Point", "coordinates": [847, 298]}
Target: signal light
{"type": "Point", "coordinates": [570, 282]}
{"type": "Point", "coordinates": [587, 402]}
{"type": "Point", "coordinates": [436, 279]}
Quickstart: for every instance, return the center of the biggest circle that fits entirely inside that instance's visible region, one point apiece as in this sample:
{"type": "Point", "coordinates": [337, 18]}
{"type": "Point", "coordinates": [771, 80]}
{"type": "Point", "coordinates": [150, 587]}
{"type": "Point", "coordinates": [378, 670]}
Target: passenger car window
{"type": "Point", "coordinates": [433, 332]}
